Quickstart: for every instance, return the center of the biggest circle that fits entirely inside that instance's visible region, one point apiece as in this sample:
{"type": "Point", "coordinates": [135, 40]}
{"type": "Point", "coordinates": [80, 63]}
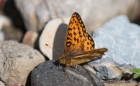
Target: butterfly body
{"type": "Point", "coordinates": [79, 45]}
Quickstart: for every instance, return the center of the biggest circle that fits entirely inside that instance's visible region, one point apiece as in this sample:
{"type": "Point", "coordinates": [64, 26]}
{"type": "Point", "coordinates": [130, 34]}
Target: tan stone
{"type": "Point", "coordinates": [17, 61]}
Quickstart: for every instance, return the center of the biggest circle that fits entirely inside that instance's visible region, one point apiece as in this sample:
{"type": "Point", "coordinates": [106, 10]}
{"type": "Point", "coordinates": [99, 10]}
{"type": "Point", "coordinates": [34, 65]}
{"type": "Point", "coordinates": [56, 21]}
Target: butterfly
{"type": "Point", "coordinates": [79, 45]}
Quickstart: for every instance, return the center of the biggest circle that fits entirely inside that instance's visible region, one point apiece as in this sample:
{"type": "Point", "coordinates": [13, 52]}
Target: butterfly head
{"type": "Point", "coordinates": [62, 59]}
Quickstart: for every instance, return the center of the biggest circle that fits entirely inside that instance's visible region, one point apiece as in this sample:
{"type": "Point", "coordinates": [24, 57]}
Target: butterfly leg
{"type": "Point", "coordinates": [66, 68]}
{"type": "Point", "coordinates": [77, 68]}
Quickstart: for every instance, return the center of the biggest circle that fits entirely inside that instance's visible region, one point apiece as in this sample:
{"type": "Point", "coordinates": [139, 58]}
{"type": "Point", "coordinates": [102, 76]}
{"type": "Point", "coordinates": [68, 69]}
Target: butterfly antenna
{"type": "Point", "coordinates": [52, 49]}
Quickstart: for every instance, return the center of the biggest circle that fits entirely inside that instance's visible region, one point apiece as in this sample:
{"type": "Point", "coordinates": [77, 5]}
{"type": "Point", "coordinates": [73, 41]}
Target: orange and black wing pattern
{"type": "Point", "coordinates": [77, 39]}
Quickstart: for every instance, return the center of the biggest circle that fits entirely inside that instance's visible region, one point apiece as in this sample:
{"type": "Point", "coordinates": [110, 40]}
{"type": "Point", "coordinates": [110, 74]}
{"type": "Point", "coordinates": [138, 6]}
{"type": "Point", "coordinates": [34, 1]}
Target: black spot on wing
{"type": "Point", "coordinates": [68, 44]}
{"type": "Point", "coordinates": [75, 39]}
{"type": "Point", "coordinates": [69, 28]}
{"type": "Point", "coordinates": [69, 34]}
{"type": "Point", "coordinates": [87, 43]}
{"type": "Point", "coordinates": [74, 33]}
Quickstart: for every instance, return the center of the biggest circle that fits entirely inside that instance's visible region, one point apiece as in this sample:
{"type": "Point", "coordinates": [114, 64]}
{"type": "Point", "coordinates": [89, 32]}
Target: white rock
{"type": "Point", "coordinates": [4, 21]}
{"type": "Point", "coordinates": [54, 36]}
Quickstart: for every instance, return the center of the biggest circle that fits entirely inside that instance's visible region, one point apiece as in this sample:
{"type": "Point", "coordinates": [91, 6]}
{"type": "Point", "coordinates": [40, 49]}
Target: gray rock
{"type": "Point", "coordinates": [48, 74]}
{"type": "Point", "coordinates": [17, 61]}
{"type": "Point", "coordinates": [122, 39]}
{"type": "Point", "coordinates": [94, 12]}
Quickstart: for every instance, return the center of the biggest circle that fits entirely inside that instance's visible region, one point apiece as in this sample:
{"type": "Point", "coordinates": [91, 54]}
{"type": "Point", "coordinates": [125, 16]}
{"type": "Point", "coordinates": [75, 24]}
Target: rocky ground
{"type": "Point", "coordinates": [26, 26]}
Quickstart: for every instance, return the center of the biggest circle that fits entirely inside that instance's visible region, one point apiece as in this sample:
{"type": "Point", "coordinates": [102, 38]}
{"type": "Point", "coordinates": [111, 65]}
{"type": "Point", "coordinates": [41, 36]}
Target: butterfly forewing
{"type": "Point", "coordinates": [77, 39]}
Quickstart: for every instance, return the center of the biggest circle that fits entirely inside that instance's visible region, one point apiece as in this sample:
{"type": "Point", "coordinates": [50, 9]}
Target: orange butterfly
{"type": "Point", "coordinates": [79, 45]}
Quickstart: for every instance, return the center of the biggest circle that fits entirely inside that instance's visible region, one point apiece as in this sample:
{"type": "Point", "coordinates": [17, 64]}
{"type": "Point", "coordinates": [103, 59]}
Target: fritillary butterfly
{"type": "Point", "coordinates": [79, 45]}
